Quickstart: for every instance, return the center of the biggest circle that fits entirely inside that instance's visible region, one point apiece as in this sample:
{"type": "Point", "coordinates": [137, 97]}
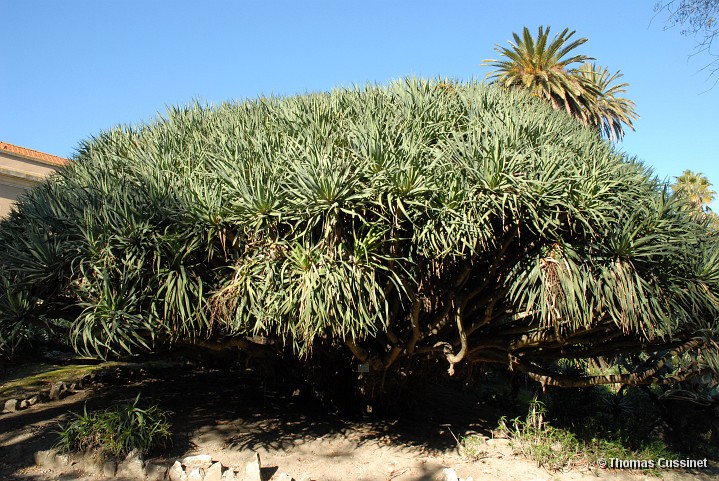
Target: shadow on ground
{"type": "Point", "coordinates": [239, 411]}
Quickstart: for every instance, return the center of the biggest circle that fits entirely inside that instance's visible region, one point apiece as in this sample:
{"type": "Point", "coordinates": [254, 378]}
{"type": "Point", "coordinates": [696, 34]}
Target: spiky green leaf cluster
{"type": "Point", "coordinates": [116, 431]}
{"type": "Point", "coordinates": [422, 219]}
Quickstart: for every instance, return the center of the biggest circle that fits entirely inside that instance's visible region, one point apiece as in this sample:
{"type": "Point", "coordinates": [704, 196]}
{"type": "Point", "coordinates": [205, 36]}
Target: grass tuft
{"type": "Point", "coordinates": [473, 447]}
{"type": "Point", "coordinates": [560, 449]}
{"type": "Point", "coordinates": [116, 431]}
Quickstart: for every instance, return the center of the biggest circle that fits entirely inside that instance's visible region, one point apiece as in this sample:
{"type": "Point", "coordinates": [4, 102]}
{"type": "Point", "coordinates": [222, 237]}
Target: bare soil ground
{"type": "Point", "coordinates": [231, 414]}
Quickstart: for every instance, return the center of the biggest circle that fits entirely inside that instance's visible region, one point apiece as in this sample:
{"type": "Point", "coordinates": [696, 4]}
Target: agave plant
{"type": "Point", "coordinates": [402, 227]}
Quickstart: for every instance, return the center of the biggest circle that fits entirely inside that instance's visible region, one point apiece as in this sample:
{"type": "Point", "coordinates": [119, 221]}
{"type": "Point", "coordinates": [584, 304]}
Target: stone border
{"type": "Point", "coordinates": [190, 468]}
{"type": "Point", "coordinates": [57, 391]}
{"type": "Point", "coordinates": [200, 467]}
{"type": "Point", "coordinates": [61, 389]}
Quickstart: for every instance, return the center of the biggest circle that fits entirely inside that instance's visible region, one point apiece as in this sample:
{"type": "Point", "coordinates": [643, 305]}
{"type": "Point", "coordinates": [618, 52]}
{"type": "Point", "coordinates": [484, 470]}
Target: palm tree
{"type": "Point", "coordinates": [696, 188]}
{"type": "Point", "coordinates": [540, 66]}
{"type": "Point", "coordinates": [586, 93]}
{"type": "Point", "coordinates": [609, 111]}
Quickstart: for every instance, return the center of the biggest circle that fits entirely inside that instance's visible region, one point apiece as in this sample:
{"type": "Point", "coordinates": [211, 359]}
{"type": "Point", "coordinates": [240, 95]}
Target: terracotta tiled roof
{"type": "Point", "coordinates": [33, 154]}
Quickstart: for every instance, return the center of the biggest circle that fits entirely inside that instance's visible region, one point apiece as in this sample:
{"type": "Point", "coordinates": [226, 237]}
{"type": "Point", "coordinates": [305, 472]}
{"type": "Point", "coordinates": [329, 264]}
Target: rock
{"type": "Point", "coordinates": [447, 474]}
{"type": "Point", "coordinates": [11, 406]}
{"type": "Point", "coordinates": [253, 470]}
{"type": "Point", "coordinates": [56, 390]}
{"type": "Point", "coordinates": [230, 475]}
{"type": "Point", "coordinates": [214, 473]}
{"type": "Point", "coordinates": [132, 466]}
{"type": "Point", "coordinates": [155, 472]}
{"type": "Point", "coordinates": [196, 474]}
{"type": "Point", "coordinates": [32, 400]}
{"type": "Point", "coordinates": [109, 468]}
{"type": "Point", "coordinates": [61, 460]}
{"type": "Point", "coordinates": [283, 477]}
{"type": "Point", "coordinates": [91, 462]}
{"type": "Point", "coordinates": [204, 461]}
{"type": "Point", "coordinates": [46, 458]}
{"type": "Point", "coordinates": [176, 473]}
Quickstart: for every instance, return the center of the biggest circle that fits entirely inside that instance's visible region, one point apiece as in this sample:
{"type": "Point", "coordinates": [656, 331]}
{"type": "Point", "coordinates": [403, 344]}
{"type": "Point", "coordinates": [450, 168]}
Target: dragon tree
{"type": "Point", "coordinates": [401, 228]}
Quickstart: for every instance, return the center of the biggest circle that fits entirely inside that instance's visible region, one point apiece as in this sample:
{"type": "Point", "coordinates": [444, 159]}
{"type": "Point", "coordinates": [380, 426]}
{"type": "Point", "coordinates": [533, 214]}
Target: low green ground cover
{"type": "Point", "coordinates": [27, 379]}
{"type": "Point", "coordinates": [117, 430]}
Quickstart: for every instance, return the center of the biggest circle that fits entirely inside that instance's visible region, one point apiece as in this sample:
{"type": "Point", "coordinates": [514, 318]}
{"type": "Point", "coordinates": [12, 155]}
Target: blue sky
{"type": "Point", "coordinates": [71, 69]}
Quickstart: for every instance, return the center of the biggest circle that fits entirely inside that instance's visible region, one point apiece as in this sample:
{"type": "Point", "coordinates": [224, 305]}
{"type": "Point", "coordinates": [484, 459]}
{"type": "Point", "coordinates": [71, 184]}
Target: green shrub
{"type": "Point", "coordinates": [473, 447]}
{"type": "Point", "coordinates": [117, 431]}
{"type": "Point", "coordinates": [536, 439]}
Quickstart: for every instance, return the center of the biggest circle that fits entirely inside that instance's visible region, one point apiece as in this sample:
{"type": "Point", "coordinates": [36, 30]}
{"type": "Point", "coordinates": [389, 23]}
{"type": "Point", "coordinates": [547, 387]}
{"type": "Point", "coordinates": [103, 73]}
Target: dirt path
{"type": "Point", "coordinates": [230, 415]}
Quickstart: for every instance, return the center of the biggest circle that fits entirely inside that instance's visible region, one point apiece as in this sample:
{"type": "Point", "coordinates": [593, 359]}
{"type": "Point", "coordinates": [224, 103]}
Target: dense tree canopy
{"type": "Point", "coordinates": [423, 223]}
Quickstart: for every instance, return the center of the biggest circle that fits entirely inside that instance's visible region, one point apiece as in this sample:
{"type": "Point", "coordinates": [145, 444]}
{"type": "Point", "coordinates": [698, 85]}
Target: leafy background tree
{"type": "Point", "coordinates": [609, 111]}
{"type": "Point", "coordinates": [544, 68]}
{"type": "Point", "coordinates": [420, 227]}
{"type": "Point", "coordinates": [698, 192]}
{"type": "Point", "coordinates": [699, 19]}
{"type": "Point", "coordinates": [540, 66]}
{"type": "Point", "coordinates": [696, 188]}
